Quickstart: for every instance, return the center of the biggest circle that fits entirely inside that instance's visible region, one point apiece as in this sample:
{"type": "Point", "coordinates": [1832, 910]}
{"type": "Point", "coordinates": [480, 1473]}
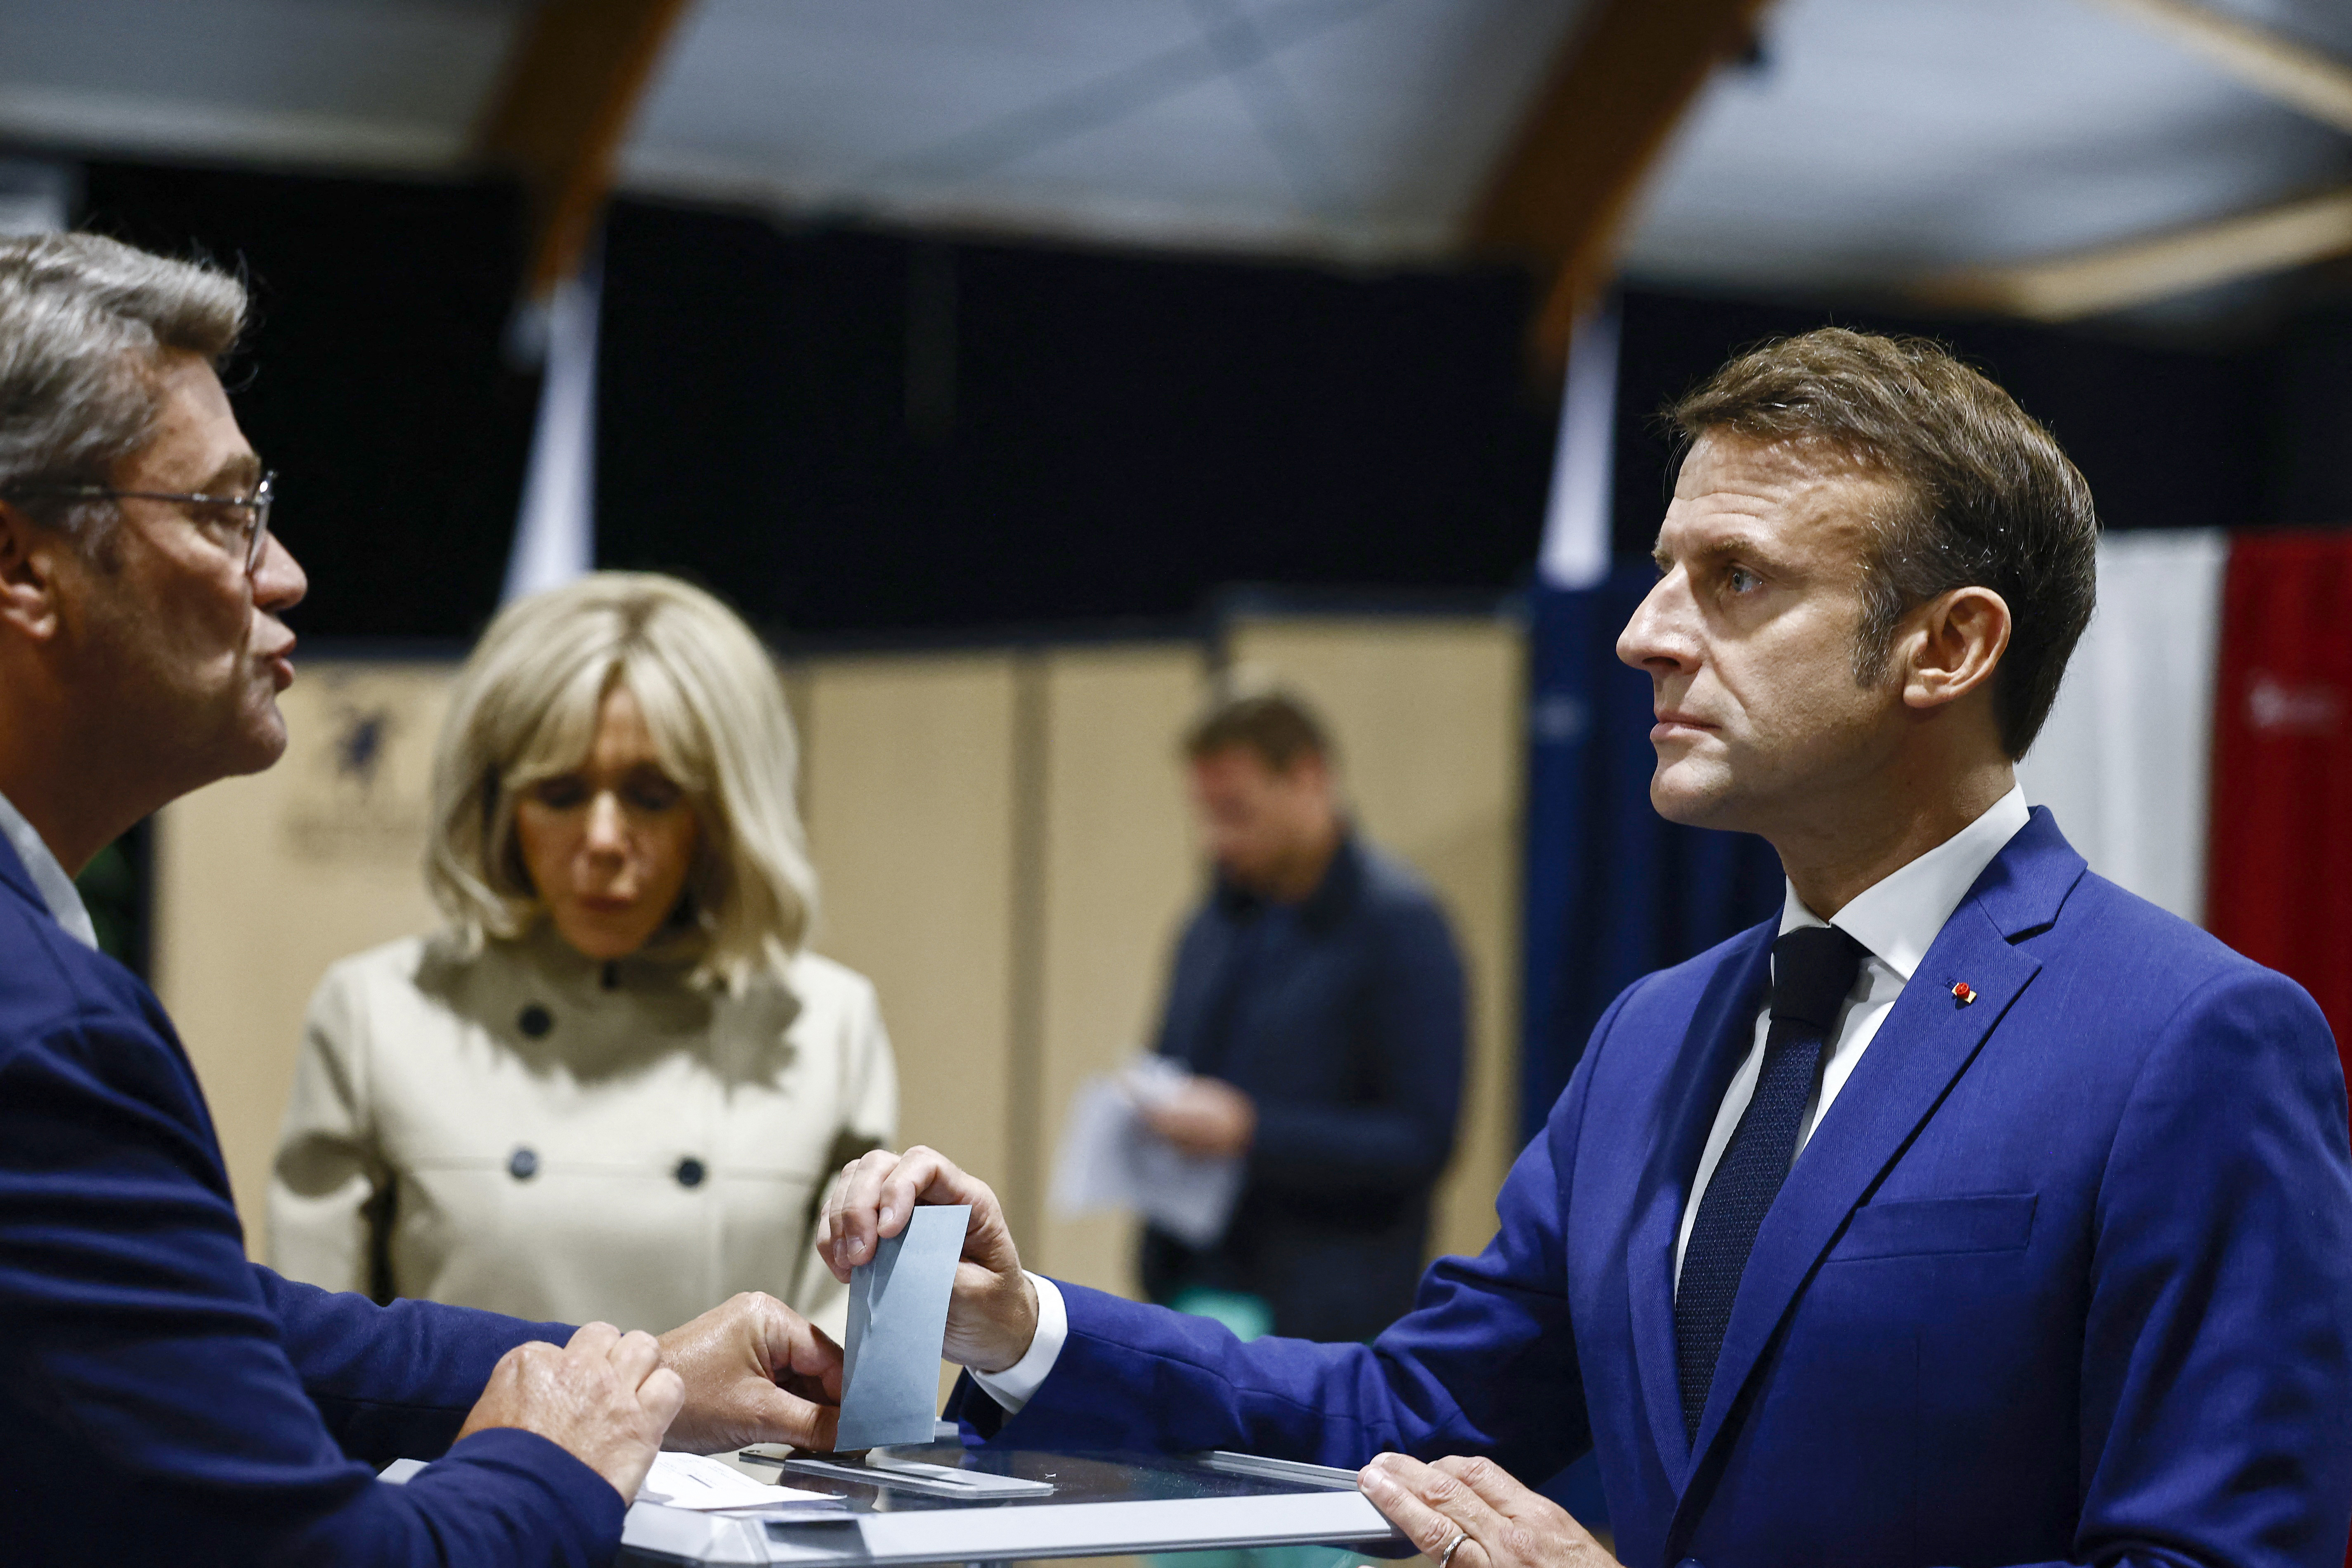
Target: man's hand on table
{"type": "Point", "coordinates": [754, 1371]}
{"type": "Point", "coordinates": [992, 1314]}
{"type": "Point", "coordinates": [604, 1398]}
{"type": "Point", "coordinates": [1502, 1523]}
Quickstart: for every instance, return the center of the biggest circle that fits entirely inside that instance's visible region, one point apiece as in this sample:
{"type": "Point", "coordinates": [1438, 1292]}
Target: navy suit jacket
{"type": "Point", "coordinates": [2063, 1275]}
{"type": "Point", "coordinates": [1343, 1020]}
{"type": "Point", "coordinates": [163, 1398]}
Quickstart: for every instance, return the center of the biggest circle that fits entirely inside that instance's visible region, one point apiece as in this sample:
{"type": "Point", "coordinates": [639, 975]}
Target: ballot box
{"type": "Point", "coordinates": [947, 1504]}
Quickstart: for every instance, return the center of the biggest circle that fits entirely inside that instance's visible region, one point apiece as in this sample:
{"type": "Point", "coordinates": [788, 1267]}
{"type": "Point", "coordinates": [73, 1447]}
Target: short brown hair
{"type": "Point", "coordinates": [1988, 498]}
{"type": "Point", "coordinates": [1273, 722]}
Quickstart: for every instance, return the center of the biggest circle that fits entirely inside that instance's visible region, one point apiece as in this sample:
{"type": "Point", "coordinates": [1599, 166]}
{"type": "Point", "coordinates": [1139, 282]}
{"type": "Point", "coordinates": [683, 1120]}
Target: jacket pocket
{"type": "Point", "coordinates": [1984, 1221]}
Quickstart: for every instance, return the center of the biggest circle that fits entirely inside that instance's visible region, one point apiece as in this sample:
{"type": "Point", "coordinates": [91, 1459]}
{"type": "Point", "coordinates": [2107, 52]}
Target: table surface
{"type": "Point", "coordinates": [1102, 1504]}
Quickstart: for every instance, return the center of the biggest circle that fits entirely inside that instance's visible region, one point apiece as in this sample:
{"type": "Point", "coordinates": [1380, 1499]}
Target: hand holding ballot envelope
{"type": "Point", "coordinates": [991, 1307]}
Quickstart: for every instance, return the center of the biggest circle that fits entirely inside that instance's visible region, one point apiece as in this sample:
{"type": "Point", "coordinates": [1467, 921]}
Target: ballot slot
{"type": "Point", "coordinates": [922, 1477]}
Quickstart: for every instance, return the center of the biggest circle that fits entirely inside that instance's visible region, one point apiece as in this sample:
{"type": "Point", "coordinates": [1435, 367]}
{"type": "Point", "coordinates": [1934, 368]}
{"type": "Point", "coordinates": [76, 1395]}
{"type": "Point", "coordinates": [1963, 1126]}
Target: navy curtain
{"type": "Point", "coordinates": [1613, 890]}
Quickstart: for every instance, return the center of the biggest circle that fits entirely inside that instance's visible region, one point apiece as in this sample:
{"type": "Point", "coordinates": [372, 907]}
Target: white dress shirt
{"type": "Point", "coordinates": [56, 888]}
{"type": "Point", "coordinates": [1897, 918]}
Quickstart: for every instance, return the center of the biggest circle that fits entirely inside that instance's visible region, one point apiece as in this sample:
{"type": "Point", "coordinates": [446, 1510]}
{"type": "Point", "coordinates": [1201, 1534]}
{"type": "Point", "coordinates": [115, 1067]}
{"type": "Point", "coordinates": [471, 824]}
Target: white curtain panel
{"type": "Point", "coordinates": [2126, 759]}
{"type": "Point", "coordinates": [555, 537]}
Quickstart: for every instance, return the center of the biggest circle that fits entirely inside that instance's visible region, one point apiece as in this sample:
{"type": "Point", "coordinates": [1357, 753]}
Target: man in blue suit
{"type": "Point", "coordinates": [159, 1396]}
{"type": "Point", "coordinates": [1972, 1213]}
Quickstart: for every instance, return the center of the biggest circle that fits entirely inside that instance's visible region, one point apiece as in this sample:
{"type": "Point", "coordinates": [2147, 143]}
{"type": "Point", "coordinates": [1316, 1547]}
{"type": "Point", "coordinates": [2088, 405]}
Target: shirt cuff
{"type": "Point", "coordinates": [1016, 1384]}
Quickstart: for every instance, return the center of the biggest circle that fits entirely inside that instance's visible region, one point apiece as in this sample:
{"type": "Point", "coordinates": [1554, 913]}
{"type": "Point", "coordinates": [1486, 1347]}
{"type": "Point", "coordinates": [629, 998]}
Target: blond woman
{"type": "Point", "coordinates": [615, 1085]}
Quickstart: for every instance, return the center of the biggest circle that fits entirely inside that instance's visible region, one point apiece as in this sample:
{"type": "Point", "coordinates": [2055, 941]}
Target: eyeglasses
{"type": "Point", "coordinates": [253, 527]}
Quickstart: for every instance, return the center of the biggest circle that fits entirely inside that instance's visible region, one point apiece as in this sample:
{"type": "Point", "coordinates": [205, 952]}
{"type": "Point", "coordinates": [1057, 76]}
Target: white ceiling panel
{"type": "Point", "coordinates": [364, 82]}
{"type": "Point", "coordinates": [1354, 126]}
{"type": "Point", "coordinates": [1876, 141]}
{"type": "Point", "coordinates": [1880, 141]}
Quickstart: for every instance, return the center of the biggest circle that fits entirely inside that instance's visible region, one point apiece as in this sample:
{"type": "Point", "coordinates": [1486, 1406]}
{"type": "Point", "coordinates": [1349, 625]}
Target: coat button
{"type": "Point", "coordinates": [534, 1021]}
{"type": "Point", "coordinates": [523, 1164]}
{"type": "Point", "coordinates": [689, 1171]}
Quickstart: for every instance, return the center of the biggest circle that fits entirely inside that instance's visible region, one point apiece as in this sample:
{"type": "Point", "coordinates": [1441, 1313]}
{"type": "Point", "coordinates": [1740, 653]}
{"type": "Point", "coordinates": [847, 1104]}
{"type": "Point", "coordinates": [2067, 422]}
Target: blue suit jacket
{"type": "Point", "coordinates": [163, 1398]}
{"type": "Point", "coordinates": [2063, 1275]}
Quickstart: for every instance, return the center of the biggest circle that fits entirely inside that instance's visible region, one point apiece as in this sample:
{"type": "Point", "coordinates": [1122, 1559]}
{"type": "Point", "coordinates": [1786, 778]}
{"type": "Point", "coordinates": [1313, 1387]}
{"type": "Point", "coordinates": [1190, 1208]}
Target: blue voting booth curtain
{"type": "Point", "coordinates": [1613, 890]}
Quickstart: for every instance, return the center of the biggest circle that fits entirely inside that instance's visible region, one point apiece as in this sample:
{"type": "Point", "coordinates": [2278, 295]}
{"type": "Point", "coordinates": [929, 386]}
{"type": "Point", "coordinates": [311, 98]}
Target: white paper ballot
{"type": "Point", "coordinates": [706, 1485]}
{"type": "Point", "coordinates": [1110, 1160]}
{"type": "Point", "coordinates": [898, 1329]}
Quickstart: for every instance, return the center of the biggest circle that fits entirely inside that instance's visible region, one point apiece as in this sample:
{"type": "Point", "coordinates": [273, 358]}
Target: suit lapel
{"type": "Point", "coordinates": [1929, 1038]}
{"type": "Point", "coordinates": [1722, 1030]}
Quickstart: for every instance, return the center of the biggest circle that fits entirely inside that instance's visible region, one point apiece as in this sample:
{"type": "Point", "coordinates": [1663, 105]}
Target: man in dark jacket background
{"type": "Point", "coordinates": [1318, 1000]}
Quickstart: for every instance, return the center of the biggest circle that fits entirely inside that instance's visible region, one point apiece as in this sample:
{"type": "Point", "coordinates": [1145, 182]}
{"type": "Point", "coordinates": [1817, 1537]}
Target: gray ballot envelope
{"type": "Point", "coordinates": [897, 1327]}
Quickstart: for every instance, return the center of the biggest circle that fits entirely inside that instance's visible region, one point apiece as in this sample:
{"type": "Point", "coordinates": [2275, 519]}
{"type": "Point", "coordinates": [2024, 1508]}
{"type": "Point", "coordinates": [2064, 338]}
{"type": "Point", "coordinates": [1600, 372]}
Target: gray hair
{"type": "Point", "coordinates": [84, 323]}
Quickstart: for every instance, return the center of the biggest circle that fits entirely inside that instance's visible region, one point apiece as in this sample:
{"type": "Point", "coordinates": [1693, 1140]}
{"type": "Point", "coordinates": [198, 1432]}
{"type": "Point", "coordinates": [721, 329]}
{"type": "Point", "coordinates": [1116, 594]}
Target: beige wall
{"type": "Point", "coordinates": [1004, 847]}
{"type": "Point", "coordinates": [1428, 717]}
{"type": "Point", "coordinates": [1118, 874]}
{"type": "Point", "coordinates": [909, 793]}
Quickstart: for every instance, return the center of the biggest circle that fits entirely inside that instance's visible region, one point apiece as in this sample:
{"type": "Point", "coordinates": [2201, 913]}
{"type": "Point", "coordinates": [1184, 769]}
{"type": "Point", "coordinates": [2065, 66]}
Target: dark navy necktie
{"type": "Point", "coordinates": [1813, 968]}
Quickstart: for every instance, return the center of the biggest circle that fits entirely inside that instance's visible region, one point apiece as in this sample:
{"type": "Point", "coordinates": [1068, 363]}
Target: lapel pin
{"type": "Point", "coordinates": [1963, 993]}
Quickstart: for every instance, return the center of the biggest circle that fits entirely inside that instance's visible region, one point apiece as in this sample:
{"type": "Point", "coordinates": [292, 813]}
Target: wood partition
{"type": "Point", "coordinates": [908, 789]}
{"type": "Point", "coordinates": [1004, 849]}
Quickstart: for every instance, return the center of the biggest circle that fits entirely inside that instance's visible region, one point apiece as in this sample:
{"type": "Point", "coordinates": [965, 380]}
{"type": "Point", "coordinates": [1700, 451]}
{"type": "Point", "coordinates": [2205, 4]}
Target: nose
{"type": "Point", "coordinates": [1658, 639]}
{"type": "Point", "coordinates": [279, 581]}
{"type": "Point", "coordinates": [607, 828]}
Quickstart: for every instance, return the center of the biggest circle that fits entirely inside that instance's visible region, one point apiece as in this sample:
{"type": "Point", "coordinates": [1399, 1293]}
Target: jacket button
{"type": "Point", "coordinates": [689, 1171]}
{"type": "Point", "coordinates": [1690, 1562]}
{"type": "Point", "coordinates": [523, 1164]}
{"type": "Point", "coordinates": [534, 1021]}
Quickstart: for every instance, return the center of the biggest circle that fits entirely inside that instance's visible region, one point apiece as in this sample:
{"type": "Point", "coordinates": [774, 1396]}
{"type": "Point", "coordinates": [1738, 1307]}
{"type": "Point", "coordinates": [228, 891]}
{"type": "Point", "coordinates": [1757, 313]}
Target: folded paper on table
{"type": "Point", "coordinates": [704, 1484]}
{"type": "Point", "coordinates": [897, 1328]}
{"type": "Point", "coordinates": [1110, 1159]}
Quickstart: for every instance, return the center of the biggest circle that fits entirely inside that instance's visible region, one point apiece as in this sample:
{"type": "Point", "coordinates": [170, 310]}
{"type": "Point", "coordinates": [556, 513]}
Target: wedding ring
{"type": "Point", "coordinates": [1451, 1547]}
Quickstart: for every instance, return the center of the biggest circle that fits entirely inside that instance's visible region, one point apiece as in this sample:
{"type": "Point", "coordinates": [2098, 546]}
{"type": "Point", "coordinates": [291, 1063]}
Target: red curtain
{"type": "Point", "coordinates": [2279, 877]}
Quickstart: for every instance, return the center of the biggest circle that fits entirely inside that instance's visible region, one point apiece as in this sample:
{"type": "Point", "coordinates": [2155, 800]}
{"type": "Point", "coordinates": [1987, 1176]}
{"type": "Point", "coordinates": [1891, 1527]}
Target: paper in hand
{"type": "Point", "coordinates": [1110, 1159]}
{"type": "Point", "coordinates": [897, 1328]}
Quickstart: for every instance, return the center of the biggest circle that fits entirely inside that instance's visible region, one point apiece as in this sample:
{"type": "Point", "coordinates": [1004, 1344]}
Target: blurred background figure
{"type": "Point", "coordinates": [1318, 1000]}
{"type": "Point", "coordinates": [617, 1082]}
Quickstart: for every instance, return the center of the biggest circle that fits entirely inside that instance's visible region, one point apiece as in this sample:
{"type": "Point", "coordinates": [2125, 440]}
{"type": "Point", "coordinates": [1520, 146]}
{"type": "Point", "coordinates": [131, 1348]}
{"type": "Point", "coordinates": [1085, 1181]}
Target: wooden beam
{"type": "Point", "coordinates": [557, 118]}
{"type": "Point", "coordinates": [2144, 270]}
{"type": "Point", "coordinates": [2294, 73]}
{"type": "Point", "coordinates": [1618, 87]}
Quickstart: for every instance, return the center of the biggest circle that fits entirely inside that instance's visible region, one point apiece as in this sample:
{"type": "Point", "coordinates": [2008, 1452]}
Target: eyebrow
{"type": "Point", "coordinates": [243, 469]}
{"type": "Point", "coordinates": [1716, 548]}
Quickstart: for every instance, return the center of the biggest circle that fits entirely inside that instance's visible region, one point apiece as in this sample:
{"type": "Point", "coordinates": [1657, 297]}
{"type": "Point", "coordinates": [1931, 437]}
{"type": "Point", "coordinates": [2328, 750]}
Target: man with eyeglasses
{"type": "Point", "coordinates": [158, 1393]}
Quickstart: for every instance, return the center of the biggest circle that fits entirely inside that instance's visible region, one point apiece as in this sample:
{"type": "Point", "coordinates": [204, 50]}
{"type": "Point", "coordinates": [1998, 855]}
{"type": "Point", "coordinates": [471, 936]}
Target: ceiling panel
{"type": "Point", "coordinates": [365, 82]}
{"type": "Point", "coordinates": [1350, 126]}
{"type": "Point", "coordinates": [1879, 142]}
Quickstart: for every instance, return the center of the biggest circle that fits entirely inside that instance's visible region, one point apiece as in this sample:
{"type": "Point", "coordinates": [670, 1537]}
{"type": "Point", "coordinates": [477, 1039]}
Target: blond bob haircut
{"type": "Point", "coordinates": [525, 710]}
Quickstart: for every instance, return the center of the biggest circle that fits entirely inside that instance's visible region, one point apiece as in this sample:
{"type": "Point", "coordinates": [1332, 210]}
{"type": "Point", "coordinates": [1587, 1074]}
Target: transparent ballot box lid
{"type": "Point", "coordinates": [945, 1504]}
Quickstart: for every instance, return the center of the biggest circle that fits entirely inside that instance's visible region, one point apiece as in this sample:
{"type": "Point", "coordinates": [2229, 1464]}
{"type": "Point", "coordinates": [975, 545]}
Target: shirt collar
{"type": "Point", "coordinates": [1897, 916]}
{"type": "Point", "coordinates": [56, 888]}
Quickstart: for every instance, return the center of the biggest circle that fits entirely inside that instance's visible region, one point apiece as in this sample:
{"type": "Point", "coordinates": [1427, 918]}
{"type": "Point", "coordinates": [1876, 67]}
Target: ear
{"type": "Point", "coordinates": [1951, 645]}
{"type": "Point", "coordinates": [29, 559]}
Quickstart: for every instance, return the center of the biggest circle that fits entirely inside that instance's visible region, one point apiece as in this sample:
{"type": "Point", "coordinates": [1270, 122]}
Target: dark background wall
{"type": "Point", "coordinates": [858, 433]}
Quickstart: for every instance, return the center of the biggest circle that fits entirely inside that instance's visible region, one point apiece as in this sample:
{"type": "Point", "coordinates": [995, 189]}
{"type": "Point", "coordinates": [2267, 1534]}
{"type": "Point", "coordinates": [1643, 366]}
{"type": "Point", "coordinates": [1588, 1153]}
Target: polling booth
{"type": "Point", "coordinates": [1002, 840]}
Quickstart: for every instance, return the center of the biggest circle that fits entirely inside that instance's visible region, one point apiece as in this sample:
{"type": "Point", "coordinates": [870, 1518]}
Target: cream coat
{"type": "Point", "coordinates": [526, 1131]}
